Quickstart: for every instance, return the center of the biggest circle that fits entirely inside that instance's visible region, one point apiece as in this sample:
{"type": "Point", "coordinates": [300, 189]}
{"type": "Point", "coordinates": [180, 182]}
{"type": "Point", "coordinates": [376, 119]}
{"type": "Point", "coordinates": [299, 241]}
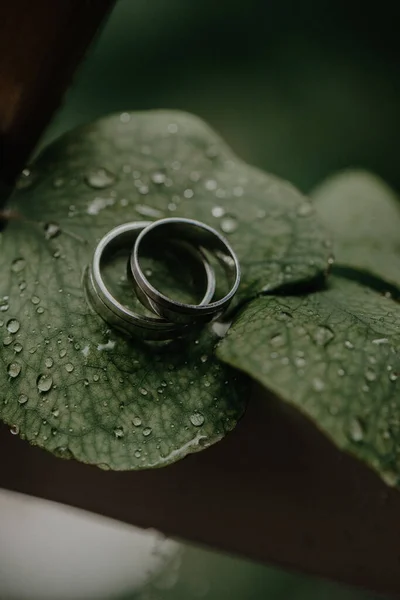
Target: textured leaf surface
{"type": "Point", "coordinates": [363, 214]}
{"type": "Point", "coordinates": [333, 355]}
{"type": "Point", "coordinates": [78, 389]}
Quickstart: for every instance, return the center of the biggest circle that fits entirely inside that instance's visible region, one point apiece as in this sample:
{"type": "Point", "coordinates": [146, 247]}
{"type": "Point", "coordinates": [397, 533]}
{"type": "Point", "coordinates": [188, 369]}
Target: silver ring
{"type": "Point", "coordinates": [201, 236]}
{"type": "Point", "coordinates": [113, 312]}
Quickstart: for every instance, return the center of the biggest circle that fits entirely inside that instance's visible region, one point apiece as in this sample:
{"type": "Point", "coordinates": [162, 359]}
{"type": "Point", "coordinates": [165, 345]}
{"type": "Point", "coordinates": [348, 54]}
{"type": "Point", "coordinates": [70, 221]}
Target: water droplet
{"type": "Point", "coordinates": [124, 117]}
{"type": "Point", "coordinates": [217, 211]}
{"type": "Point", "coordinates": [305, 209]}
{"type": "Point", "coordinates": [18, 265]}
{"type": "Point", "coordinates": [96, 377]}
{"type": "Point", "coordinates": [348, 345]}
{"type": "Point", "coordinates": [40, 310]}
{"type": "Point", "coordinates": [147, 431]}
{"type": "Point", "coordinates": [323, 335]}
{"type": "Point", "coordinates": [13, 325]}
{"type": "Point", "coordinates": [318, 384]}
{"type": "Point", "coordinates": [44, 383]}
{"type": "Point", "coordinates": [14, 430]}
{"type": "Point", "coordinates": [51, 230]}
{"type": "Point", "coordinates": [23, 399]}
{"type": "Point", "coordinates": [148, 211]}
{"type": "Point", "coordinates": [143, 391]}
{"type": "Point", "coordinates": [99, 178]}
{"type": "Point", "coordinates": [356, 430]}
{"type": "Point", "coordinates": [35, 300]}
{"type": "Point", "coordinates": [14, 369]}
{"type": "Point", "coordinates": [7, 341]}
{"type": "Point", "coordinates": [98, 204]}
{"type": "Point", "coordinates": [69, 367]}
{"type": "Point", "coordinates": [197, 419]}
{"type": "Point", "coordinates": [138, 453]}
{"type": "Point", "coordinates": [55, 412]}
{"type": "Point", "coordinates": [137, 421]}
{"type": "Point", "coordinates": [17, 347]}
{"type": "Point", "coordinates": [158, 177]}
{"type": "Point", "coordinates": [229, 224]}
{"type": "Point", "coordinates": [4, 305]}
{"type": "Point", "coordinates": [300, 362]}
{"type": "Point", "coordinates": [380, 341]}
{"type": "Point", "coordinates": [393, 376]}
{"type": "Point", "coordinates": [277, 340]}
{"type": "Point", "coordinates": [204, 358]}
{"type": "Point", "coordinates": [58, 182]}
{"type": "Point", "coordinates": [25, 180]}
{"type": "Point", "coordinates": [119, 432]}
{"type": "Point", "coordinates": [370, 374]}
{"type": "Point", "coordinates": [62, 353]}
{"type": "Point", "coordinates": [48, 362]}
{"type": "Point", "coordinates": [188, 193]}
{"type": "Point", "coordinates": [210, 185]}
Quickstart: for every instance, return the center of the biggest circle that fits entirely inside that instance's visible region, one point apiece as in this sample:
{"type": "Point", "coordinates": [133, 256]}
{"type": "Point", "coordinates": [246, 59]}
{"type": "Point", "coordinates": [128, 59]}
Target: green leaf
{"type": "Point", "coordinates": [363, 213]}
{"type": "Point", "coordinates": [334, 356]}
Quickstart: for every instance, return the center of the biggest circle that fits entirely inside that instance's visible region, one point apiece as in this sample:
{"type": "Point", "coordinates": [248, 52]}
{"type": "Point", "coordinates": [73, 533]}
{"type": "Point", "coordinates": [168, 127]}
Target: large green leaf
{"type": "Point", "coordinates": [333, 355]}
{"type": "Point", "coordinates": [69, 384]}
{"type": "Point", "coordinates": [363, 213]}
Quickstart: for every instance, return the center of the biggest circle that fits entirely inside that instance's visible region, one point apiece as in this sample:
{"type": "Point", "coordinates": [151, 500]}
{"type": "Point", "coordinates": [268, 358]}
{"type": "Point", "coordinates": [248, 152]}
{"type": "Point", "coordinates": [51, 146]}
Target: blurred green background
{"type": "Point", "coordinates": [301, 89]}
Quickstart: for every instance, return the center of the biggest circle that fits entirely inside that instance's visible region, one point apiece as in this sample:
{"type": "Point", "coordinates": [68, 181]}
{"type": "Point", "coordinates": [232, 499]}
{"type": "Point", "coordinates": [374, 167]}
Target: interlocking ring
{"type": "Point", "coordinates": [122, 238]}
{"type": "Point", "coordinates": [204, 238]}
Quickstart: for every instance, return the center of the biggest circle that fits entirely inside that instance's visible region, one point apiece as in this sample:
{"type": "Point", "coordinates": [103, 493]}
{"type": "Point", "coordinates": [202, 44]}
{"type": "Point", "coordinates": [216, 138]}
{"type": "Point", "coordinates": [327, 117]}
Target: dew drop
{"type": "Point", "coordinates": [119, 432]}
{"type": "Point", "coordinates": [356, 430]}
{"type": "Point", "coordinates": [210, 185]}
{"type": "Point", "coordinates": [18, 265]}
{"type": "Point", "coordinates": [158, 177]}
{"type": "Point", "coordinates": [204, 358]}
{"type": "Point", "coordinates": [51, 230]}
{"type": "Point", "coordinates": [147, 431]}
{"type": "Point", "coordinates": [48, 362]}
{"type": "Point", "coordinates": [393, 376]}
{"type": "Point", "coordinates": [348, 345]}
{"type": "Point", "coordinates": [305, 209]}
{"type": "Point", "coordinates": [99, 178]}
{"type": "Point", "coordinates": [188, 193]}
{"type": "Point", "coordinates": [318, 384]}
{"type": "Point", "coordinates": [55, 412]}
{"type": "Point", "coordinates": [14, 430]}
{"type": "Point", "coordinates": [148, 211]}
{"type": "Point", "coordinates": [17, 347]}
{"type": "Point", "coordinates": [44, 383]}
{"type": "Point", "coordinates": [69, 367]}
{"type": "Point", "coordinates": [137, 421]}
{"type": "Point", "coordinates": [62, 353]}
{"type": "Point", "coordinates": [25, 180]}
{"type": "Point", "coordinates": [370, 375]}
{"type": "Point", "coordinates": [4, 305]}
{"type": "Point", "coordinates": [197, 419]}
{"type": "Point", "coordinates": [277, 340]}
{"type": "Point", "coordinates": [380, 341]}
{"type": "Point", "coordinates": [35, 299]}
{"type": "Point", "coordinates": [143, 391]}
{"type": "Point", "coordinates": [229, 224]}
{"type": "Point", "coordinates": [323, 335]}
{"type": "Point", "coordinates": [14, 369]}
{"type": "Point", "coordinates": [7, 341]}
{"type": "Point", "coordinates": [217, 211]}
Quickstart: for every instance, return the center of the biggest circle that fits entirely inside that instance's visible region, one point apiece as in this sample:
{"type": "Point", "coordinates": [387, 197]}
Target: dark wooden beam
{"type": "Point", "coordinates": [275, 490]}
{"type": "Point", "coordinates": [41, 44]}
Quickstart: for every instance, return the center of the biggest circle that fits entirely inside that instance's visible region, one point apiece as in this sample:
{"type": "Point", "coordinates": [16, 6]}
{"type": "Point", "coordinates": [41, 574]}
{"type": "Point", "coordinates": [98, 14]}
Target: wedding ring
{"type": "Point", "coordinates": [122, 238]}
{"type": "Point", "coordinates": [201, 236]}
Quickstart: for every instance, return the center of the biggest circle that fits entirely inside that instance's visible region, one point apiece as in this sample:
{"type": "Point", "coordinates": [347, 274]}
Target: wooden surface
{"type": "Point", "coordinates": [274, 490]}
{"type": "Point", "coordinates": [41, 44]}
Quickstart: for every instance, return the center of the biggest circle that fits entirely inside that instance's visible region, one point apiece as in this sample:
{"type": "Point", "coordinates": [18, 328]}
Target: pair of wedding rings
{"type": "Point", "coordinates": [196, 242]}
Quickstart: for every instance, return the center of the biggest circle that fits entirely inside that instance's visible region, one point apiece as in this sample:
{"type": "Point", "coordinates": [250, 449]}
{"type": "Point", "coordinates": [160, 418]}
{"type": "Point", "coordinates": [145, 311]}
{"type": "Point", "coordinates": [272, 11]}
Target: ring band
{"type": "Point", "coordinates": [111, 310]}
{"type": "Point", "coordinates": [201, 236]}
